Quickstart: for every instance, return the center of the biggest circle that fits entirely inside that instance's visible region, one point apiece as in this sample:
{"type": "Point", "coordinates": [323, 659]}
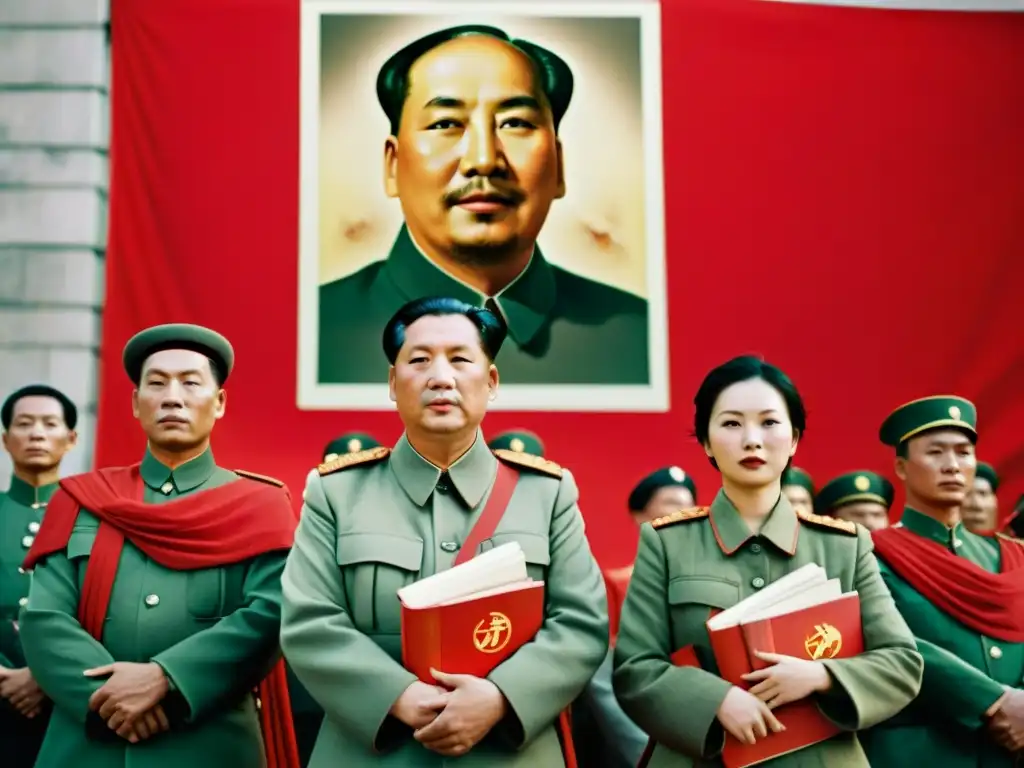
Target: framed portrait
{"type": "Point", "coordinates": [508, 154]}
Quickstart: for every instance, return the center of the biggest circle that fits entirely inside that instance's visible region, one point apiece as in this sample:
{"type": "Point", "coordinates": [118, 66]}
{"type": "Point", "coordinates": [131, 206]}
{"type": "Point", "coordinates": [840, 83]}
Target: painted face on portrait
{"type": "Point", "coordinates": [476, 163]}
{"type": "Point", "coordinates": [38, 436]}
{"type": "Point", "coordinates": [442, 379]}
{"type": "Point", "coordinates": [939, 467]}
{"type": "Point", "coordinates": [750, 434]}
{"type": "Point", "coordinates": [178, 400]}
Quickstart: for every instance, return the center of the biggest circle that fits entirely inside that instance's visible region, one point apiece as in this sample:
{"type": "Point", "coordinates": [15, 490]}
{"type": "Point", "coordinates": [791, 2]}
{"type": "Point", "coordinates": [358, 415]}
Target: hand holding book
{"type": "Point", "coordinates": [788, 679]}
{"type": "Point", "coordinates": [471, 710]}
{"type": "Point", "coordinates": [746, 717]}
{"type": "Point", "coordinates": [419, 704]}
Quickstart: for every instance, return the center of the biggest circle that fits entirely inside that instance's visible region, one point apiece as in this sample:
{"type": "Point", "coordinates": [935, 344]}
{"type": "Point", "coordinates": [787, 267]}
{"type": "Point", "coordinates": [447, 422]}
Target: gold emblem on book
{"type": "Point", "coordinates": [493, 633]}
{"type": "Point", "coordinates": [825, 643]}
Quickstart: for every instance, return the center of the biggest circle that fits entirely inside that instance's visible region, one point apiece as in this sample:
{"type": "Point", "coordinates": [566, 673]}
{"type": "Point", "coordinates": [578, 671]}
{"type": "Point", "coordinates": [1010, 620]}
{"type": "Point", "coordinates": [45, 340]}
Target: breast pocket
{"type": "Point", "coordinates": [536, 550]}
{"type": "Point", "coordinates": [374, 566]}
{"type": "Point", "coordinates": [204, 593]}
{"type": "Point", "coordinates": [691, 600]}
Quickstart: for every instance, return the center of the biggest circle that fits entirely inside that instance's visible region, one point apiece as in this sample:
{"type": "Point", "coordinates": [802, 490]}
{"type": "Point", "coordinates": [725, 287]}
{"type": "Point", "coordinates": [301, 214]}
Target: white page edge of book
{"type": "Point", "coordinates": [820, 594]}
{"type": "Point", "coordinates": [777, 590]}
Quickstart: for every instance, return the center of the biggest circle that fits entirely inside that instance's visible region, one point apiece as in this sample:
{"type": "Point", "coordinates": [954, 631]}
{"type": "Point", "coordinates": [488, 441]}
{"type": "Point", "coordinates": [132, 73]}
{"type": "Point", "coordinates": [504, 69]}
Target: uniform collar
{"type": "Point", "coordinates": [930, 528]}
{"type": "Point", "coordinates": [782, 528]}
{"type": "Point", "coordinates": [187, 477]}
{"type": "Point", "coordinates": [27, 495]}
{"type": "Point", "coordinates": [525, 304]}
{"type": "Point", "coordinates": [471, 475]}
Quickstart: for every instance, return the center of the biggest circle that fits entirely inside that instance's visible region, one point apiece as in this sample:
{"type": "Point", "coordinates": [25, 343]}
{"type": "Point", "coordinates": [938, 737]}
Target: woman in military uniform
{"type": "Point", "coordinates": [749, 419]}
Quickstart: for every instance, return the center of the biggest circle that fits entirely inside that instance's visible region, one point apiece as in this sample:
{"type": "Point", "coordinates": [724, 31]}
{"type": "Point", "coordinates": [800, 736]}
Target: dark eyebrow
{"type": "Point", "coordinates": [158, 372]}
{"type": "Point", "coordinates": [737, 413]}
{"type": "Point", "coordinates": [513, 102]}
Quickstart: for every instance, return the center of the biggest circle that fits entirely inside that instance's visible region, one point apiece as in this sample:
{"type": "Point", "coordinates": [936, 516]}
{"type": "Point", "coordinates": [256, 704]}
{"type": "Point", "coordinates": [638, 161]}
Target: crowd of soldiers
{"type": "Point", "coordinates": [145, 608]}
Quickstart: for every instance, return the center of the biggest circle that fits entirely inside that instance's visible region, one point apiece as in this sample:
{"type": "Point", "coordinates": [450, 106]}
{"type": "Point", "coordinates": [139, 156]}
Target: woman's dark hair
{"type": "Point", "coordinates": [740, 369]}
{"type": "Point", "coordinates": [491, 327]}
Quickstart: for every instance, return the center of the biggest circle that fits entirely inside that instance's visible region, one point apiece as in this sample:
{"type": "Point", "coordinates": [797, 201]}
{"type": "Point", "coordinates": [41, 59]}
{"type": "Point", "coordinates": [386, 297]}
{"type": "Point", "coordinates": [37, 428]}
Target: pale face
{"type": "Point", "coordinates": [442, 379]}
{"type": "Point", "coordinates": [939, 468]}
{"type": "Point", "coordinates": [476, 163]}
{"type": "Point", "coordinates": [38, 436]}
{"type": "Point", "coordinates": [665, 501]}
{"type": "Point", "coordinates": [870, 514]}
{"type": "Point", "coordinates": [981, 507]}
{"type": "Point", "coordinates": [178, 400]}
{"type": "Point", "coordinates": [799, 498]}
{"type": "Point", "coordinates": [750, 434]}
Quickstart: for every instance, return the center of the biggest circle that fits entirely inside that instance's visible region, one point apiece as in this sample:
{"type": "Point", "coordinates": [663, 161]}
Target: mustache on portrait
{"type": "Point", "coordinates": [485, 186]}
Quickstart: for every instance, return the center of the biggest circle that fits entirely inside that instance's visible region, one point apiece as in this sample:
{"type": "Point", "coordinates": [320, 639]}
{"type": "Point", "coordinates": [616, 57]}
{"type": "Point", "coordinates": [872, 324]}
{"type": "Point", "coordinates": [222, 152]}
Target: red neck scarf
{"type": "Point", "coordinates": [208, 529]}
{"type": "Point", "coordinates": [991, 604]}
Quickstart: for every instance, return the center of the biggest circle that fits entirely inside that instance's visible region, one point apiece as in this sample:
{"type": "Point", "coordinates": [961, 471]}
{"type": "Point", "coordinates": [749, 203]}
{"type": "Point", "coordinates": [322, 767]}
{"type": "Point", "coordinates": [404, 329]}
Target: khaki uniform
{"type": "Point", "coordinates": [375, 522]}
{"type": "Point", "coordinates": [700, 560]}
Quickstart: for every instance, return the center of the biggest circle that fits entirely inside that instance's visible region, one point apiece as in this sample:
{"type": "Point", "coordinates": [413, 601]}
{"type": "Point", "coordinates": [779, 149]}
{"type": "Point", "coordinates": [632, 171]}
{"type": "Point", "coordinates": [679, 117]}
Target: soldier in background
{"type": "Point", "coordinates": [519, 441]}
{"type": "Point", "coordinates": [861, 497]}
{"type": "Point", "coordinates": [980, 512]}
{"type": "Point", "coordinates": [39, 429]}
{"type": "Point", "coordinates": [798, 487]}
{"type": "Point", "coordinates": [350, 442]}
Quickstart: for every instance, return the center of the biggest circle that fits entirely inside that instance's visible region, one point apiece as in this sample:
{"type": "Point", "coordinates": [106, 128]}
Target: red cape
{"type": "Point", "coordinates": [208, 529]}
{"type": "Point", "coordinates": [991, 604]}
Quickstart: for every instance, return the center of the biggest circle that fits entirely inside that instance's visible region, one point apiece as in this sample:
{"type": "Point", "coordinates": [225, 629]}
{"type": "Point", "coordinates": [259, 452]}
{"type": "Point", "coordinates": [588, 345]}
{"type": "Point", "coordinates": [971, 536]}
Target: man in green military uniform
{"type": "Point", "coordinates": [376, 521]}
{"type": "Point", "coordinates": [39, 429]}
{"type": "Point", "coordinates": [518, 440]}
{"type": "Point", "coordinates": [980, 512]}
{"type": "Point", "coordinates": [861, 497]}
{"type": "Point", "coordinates": [475, 160]}
{"type": "Point", "coordinates": [154, 608]}
{"type": "Point", "coordinates": [962, 595]}
{"type": "Point", "coordinates": [798, 487]}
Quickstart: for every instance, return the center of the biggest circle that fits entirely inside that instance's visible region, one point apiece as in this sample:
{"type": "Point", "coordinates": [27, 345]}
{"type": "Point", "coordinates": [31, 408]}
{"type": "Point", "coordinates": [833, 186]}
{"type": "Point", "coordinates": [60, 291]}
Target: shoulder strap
{"type": "Point", "coordinates": [494, 509]}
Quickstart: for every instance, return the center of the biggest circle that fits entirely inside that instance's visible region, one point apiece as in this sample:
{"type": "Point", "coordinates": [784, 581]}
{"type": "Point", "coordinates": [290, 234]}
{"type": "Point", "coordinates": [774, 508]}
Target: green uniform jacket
{"type": "Point", "coordinates": [214, 631]}
{"type": "Point", "coordinates": [21, 511]}
{"type": "Point", "coordinates": [684, 570]}
{"type": "Point", "coordinates": [964, 672]}
{"type": "Point", "coordinates": [563, 328]}
{"type": "Point", "coordinates": [374, 527]}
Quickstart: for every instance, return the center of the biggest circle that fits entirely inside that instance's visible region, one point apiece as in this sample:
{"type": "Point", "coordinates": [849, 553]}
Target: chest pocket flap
{"type": "Point", "coordinates": [364, 547]}
{"type": "Point", "coordinates": [536, 548]}
{"type": "Point", "coordinates": [703, 590]}
{"type": "Point", "coordinates": [80, 542]}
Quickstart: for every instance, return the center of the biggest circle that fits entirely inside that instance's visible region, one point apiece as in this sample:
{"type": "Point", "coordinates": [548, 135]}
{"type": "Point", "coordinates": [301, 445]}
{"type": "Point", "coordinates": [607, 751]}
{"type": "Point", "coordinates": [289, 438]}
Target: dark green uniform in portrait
{"type": "Point", "coordinates": [475, 160]}
{"type": "Point", "coordinates": [375, 522]}
{"type": "Point", "coordinates": [169, 575]}
{"type": "Point", "coordinates": [696, 561]}
{"type": "Point", "coordinates": [967, 668]}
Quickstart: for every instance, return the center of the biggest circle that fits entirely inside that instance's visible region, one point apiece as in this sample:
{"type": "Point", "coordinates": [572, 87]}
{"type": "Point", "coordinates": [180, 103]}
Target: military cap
{"type": "Point", "coordinates": [851, 488]}
{"type": "Point", "coordinates": [986, 471]}
{"type": "Point", "coordinates": [556, 78]}
{"type": "Point", "coordinates": [518, 440]}
{"type": "Point", "coordinates": [350, 442]}
{"type": "Point", "coordinates": [178, 336]}
{"type": "Point", "coordinates": [797, 476]}
{"type": "Point", "coordinates": [38, 390]}
{"type": "Point", "coordinates": [917, 416]}
{"type": "Point", "coordinates": [666, 477]}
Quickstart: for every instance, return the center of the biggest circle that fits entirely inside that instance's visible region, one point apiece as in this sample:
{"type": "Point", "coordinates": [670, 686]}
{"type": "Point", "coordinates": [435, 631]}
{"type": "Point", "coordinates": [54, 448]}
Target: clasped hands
{"type": "Point", "coordinates": [452, 717]}
{"type": "Point", "coordinates": [747, 714]}
{"type": "Point", "coordinates": [21, 691]}
{"type": "Point", "coordinates": [129, 700]}
{"type": "Point", "coordinates": [1006, 724]}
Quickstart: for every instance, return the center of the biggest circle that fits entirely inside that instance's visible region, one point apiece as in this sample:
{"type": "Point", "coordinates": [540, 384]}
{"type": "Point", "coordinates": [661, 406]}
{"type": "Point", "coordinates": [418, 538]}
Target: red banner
{"type": "Point", "coordinates": [844, 194]}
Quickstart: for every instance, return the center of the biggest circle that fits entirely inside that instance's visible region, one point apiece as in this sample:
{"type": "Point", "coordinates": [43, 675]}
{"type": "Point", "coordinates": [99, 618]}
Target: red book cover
{"type": "Point", "coordinates": [828, 631]}
{"type": "Point", "coordinates": [472, 636]}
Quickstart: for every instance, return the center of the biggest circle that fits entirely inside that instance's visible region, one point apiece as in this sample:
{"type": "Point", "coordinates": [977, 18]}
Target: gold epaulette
{"type": "Point", "coordinates": [529, 461]}
{"type": "Point", "coordinates": [259, 478]}
{"type": "Point", "coordinates": [347, 460]}
{"type": "Point", "coordinates": [681, 516]}
{"type": "Point", "coordinates": [832, 523]}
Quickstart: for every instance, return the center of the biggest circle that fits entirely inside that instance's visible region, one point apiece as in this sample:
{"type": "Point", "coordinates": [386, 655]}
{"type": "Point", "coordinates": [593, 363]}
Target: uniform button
{"type": "Point", "coordinates": [152, 600]}
{"type": "Point", "coordinates": [26, 541]}
{"type": "Point", "coordinates": [757, 582]}
{"type": "Point", "coordinates": [755, 548]}
{"type": "Point", "coordinates": [20, 569]}
{"type": "Point", "coordinates": [167, 487]}
{"type": "Point", "coordinates": [957, 543]}
{"type": "Point", "coordinates": [995, 652]}
{"type": "Point", "coordinates": [33, 527]}
{"type": "Point", "coordinates": [23, 602]}
{"type": "Point", "coordinates": [449, 546]}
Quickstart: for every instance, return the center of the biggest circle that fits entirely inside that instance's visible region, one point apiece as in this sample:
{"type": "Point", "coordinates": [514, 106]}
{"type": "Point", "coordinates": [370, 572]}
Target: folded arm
{"type": "Point", "coordinates": [677, 706]}
{"type": "Point", "coordinates": [880, 682]}
{"type": "Point", "coordinates": [327, 653]}
{"type": "Point", "coordinates": [544, 676]}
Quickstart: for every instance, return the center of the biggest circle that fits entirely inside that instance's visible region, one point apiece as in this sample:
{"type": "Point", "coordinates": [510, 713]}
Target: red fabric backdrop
{"type": "Point", "coordinates": [845, 195]}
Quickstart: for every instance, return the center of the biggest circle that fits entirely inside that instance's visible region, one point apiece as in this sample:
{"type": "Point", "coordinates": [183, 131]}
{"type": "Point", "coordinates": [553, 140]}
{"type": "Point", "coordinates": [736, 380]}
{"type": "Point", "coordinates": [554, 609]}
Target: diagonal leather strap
{"type": "Point", "coordinates": [494, 509]}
